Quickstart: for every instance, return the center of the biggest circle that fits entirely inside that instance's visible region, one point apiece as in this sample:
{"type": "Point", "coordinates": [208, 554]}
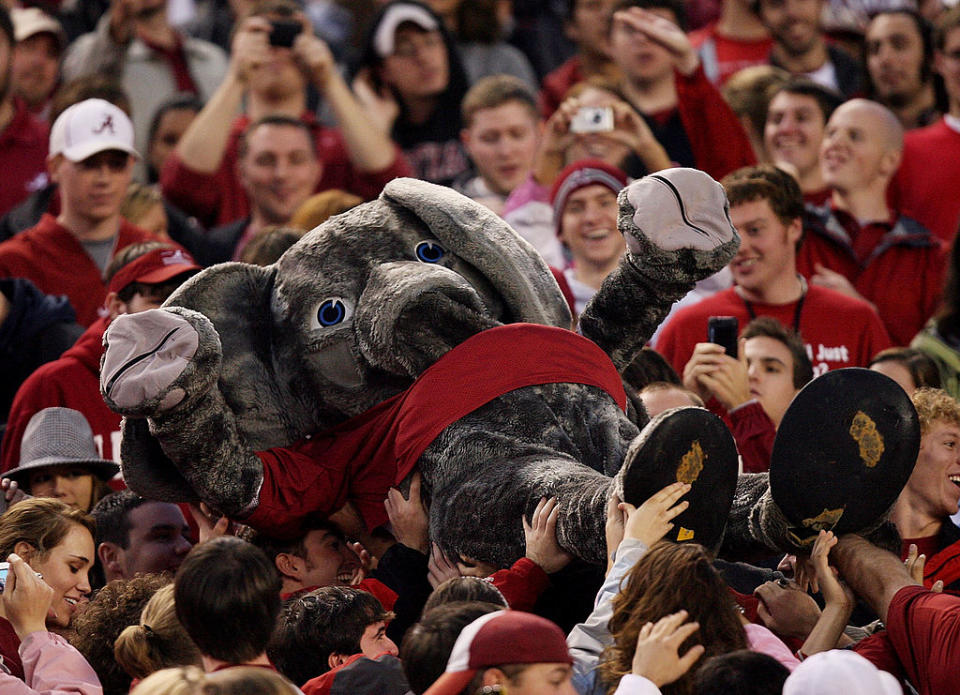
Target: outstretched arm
{"type": "Point", "coordinates": [164, 365]}
{"type": "Point", "coordinates": [677, 231]}
{"type": "Point", "coordinates": [875, 575]}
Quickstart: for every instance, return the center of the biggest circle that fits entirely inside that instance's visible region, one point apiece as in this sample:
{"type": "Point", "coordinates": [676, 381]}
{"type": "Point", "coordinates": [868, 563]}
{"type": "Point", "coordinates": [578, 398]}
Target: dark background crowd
{"type": "Point", "coordinates": [144, 140]}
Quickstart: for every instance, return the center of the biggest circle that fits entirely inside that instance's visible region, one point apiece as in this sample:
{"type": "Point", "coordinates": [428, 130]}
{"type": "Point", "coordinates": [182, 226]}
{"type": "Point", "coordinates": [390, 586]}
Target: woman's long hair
{"type": "Point", "coordinates": [671, 577]}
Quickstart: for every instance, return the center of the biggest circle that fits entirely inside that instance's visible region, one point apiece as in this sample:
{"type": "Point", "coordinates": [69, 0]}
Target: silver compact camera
{"type": "Point", "coordinates": [5, 570]}
{"type": "Point", "coordinates": [592, 119]}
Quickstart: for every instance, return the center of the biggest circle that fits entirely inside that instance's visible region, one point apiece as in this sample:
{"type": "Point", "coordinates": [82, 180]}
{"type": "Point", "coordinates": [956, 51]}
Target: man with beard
{"type": "Point", "coordinates": [800, 47]}
{"type": "Point", "coordinates": [154, 61]}
{"type": "Point", "coordinates": [36, 58]}
{"type": "Point", "coordinates": [23, 139]}
{"type": "Point", "coordinates": [899, 55]}
{"type": "Point", "coordinates": [926, 185]}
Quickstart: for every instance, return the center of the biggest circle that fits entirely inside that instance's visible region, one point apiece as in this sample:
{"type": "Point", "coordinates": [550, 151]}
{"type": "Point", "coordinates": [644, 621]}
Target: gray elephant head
{"type": "Point", "coordinates": [352, 313]}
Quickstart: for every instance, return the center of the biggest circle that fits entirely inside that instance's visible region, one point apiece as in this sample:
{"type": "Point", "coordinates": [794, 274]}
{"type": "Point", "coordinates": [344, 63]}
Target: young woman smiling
{"type": "Point", "coordinates": [44, 537]}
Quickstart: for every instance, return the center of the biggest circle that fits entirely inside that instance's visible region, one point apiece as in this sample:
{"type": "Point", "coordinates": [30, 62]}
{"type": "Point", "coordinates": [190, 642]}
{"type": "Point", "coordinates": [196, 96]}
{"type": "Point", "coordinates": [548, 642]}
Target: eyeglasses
{"type": "Point", "coordinates": [410, 47]}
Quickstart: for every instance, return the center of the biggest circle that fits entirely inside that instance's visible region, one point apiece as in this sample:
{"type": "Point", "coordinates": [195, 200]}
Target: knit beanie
{"type": "Point", "coordinates": [579, 174]}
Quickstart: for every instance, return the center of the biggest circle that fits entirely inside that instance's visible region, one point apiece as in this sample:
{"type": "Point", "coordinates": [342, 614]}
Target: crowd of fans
{"type": "Point", "coordinates": [142, 141]}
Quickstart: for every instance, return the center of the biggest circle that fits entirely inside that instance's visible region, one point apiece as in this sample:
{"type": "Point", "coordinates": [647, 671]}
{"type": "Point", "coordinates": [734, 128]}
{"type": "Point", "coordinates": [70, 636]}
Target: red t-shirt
{"type": "Point", "coordinates": [924, 629]}
{"type": "Point", "coordinates": [722, 55]}
{"type": "Point", "coordinates": [23, 157]}
{"type": "Point", "coordinates": [839, 331]}
{"type": "Point", "coordinates": [218, 198]}
{"type": "Point", "coordinates": [927, 185]}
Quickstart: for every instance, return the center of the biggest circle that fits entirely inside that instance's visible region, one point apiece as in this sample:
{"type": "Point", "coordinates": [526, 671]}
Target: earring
{"type": "Point", "coordinates": [494, 689]}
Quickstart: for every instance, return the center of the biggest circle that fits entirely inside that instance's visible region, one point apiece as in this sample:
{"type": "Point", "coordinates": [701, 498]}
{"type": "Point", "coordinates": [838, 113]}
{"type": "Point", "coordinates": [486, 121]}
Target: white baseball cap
{"type": "Point", "coordinates": [393, 17]}
{"type": "Point", "coordinates": [29, 21]}
{"type": "Point", "coordinates": [89, 127]}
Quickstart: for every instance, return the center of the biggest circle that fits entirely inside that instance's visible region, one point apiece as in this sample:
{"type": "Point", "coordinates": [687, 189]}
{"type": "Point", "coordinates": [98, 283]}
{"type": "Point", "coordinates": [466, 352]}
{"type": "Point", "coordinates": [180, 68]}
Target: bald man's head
{"type": "Point", "coordinates": [878, 117]}
{"type": "Point", "coordinates": [861, 147]}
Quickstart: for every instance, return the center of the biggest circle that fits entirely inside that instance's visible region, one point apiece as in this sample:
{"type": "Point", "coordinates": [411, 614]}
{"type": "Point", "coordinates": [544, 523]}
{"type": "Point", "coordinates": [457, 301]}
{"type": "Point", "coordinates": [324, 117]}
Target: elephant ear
{"type": "Point", "coordinates": [482, 239]}
{"type": "Point", "coordinates": [266, 397]}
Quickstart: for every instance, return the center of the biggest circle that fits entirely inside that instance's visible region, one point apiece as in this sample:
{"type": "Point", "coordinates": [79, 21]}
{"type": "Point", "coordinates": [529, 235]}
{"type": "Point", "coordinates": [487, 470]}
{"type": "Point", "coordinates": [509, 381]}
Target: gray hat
{"type": "Point", "coordinates": [59, 437]}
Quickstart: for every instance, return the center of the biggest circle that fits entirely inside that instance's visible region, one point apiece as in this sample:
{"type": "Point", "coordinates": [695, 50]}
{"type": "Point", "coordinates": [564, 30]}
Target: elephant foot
{"type": "Point", "coordinates": [157, 360]}
{"type": "Point", "coordinates": [690, 445]}
{"type": "Point", "coordinates": [677, 225]}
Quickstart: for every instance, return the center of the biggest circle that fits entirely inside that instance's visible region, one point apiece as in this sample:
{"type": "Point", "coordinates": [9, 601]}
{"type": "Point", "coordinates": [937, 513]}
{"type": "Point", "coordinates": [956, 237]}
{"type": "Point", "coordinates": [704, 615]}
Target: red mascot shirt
{"type": "Point", "coordinates": [362, 458]}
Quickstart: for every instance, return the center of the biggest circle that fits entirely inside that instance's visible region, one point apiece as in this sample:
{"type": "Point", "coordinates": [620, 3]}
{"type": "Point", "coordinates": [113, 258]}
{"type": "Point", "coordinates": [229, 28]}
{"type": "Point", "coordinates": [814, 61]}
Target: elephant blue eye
{"type": "Point", "coordinates": [331, 312]}
{"type": "Point", "coordinates": [430, 251]}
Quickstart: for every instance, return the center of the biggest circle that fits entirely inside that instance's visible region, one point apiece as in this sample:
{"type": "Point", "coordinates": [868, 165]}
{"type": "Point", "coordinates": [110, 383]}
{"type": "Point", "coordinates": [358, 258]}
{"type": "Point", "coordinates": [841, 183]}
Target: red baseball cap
{"type": "Point", "coordinates": [153, 268]}
{"type": "Point", "coordinates": [496, 639]}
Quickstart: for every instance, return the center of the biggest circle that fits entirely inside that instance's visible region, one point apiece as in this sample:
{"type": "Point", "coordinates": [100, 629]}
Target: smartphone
{"type": "Point", "coordinates": [723, 330]}
{"type": "Point", "coordinates": [592, 119]}
{"type": "Point", "coordinates": [284, 32]}
{"type": "Point", "coordinates": [4, 571]}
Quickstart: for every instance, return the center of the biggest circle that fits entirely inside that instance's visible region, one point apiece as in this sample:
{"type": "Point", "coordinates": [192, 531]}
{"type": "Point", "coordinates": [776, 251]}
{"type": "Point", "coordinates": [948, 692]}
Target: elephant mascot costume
{"type": "Point", "coordinates": [420, 332]}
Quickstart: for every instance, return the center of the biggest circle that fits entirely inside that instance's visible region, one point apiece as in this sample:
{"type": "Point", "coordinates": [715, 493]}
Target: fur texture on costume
{"type": "Point", "coordinates": [352, 314]}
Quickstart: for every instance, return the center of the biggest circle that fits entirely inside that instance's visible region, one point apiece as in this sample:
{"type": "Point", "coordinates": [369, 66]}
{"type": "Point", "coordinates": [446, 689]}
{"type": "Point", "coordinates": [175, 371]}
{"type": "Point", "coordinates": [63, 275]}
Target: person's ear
{"type": "Point", "coordinates": [494, 676]}
{"type": "Point", "coordinates": [890, 162]}
{"type": "Point", "coordinates": [53, 166]}
{"type": "Point", "coordinates": [115, 306]}
{"type": "Point", "coordinates": [289, 565]}
{"type": "Point", "coordinates": [26, 551]}
{"type": "Point", "coordinates": [465, 138]}
{"type": "Point", "coordinates": [111, 557]}
{"type": "Point", "coordinates": [336, 659]}
{"type": "Point", "coordinates": [795, 231]}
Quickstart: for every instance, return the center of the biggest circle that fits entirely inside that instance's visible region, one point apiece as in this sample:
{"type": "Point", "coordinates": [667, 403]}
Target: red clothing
{"type": "Point", "coordinates": [556, 84]}
{"type": "Point", "coordinates": [944, 566]}
{"type": "Point", "coordinates": [722, 55]}
{"type": "Point", "coordinates": [717, 139]}
{"type": "Point", "coordinates": [839, 331]}
{"type": "Point", "coordinates": [898, 266]}
{"type": "Point", "coordinates": [818, 198]}
{"type": "Point", "coordinates": [23, 156]}
{"type": "Point", "coordinates": [924, 629]}
{"type": "Point", "coordinates": [521, 584]}
{"type": "Point", "coordinates": [927, 185]}
{"type": "Point", "coordinates": [879, 651]}
{"type": "Point", "coordinates": [362, 458]}
{"type": "Point", "coordinates": [360, 675]}
{"type": "Point", "coordinates": [754, 432]}
{"type": "Point", "coordinates": [56, 262]}
{"type": "Point", "coordinates": [9, 649]}
{"type": "Point", "coordinates": [73, 381]}
{"type": "Point", "coordinates": [218, 198]}
{"type": "Point", "coordinates": [383, 593]}
{"type": "Point", "coordinates": [177, 62]}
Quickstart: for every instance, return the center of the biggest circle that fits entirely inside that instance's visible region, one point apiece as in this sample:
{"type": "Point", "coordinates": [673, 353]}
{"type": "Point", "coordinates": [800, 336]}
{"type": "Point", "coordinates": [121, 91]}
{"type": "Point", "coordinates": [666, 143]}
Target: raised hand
{"type": "Point", "coordinates": [657, 657]}
{"type": "Point", "coordinates": [652, 520]}
{"type": "Point", "coordinates": [440, 568]}
{"type": "Point", "coordinates": [541, 537]}
{"type": "Point", "coordinates": [408, 516]}
{"type": "Point", "coordinates": [662, 32]}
